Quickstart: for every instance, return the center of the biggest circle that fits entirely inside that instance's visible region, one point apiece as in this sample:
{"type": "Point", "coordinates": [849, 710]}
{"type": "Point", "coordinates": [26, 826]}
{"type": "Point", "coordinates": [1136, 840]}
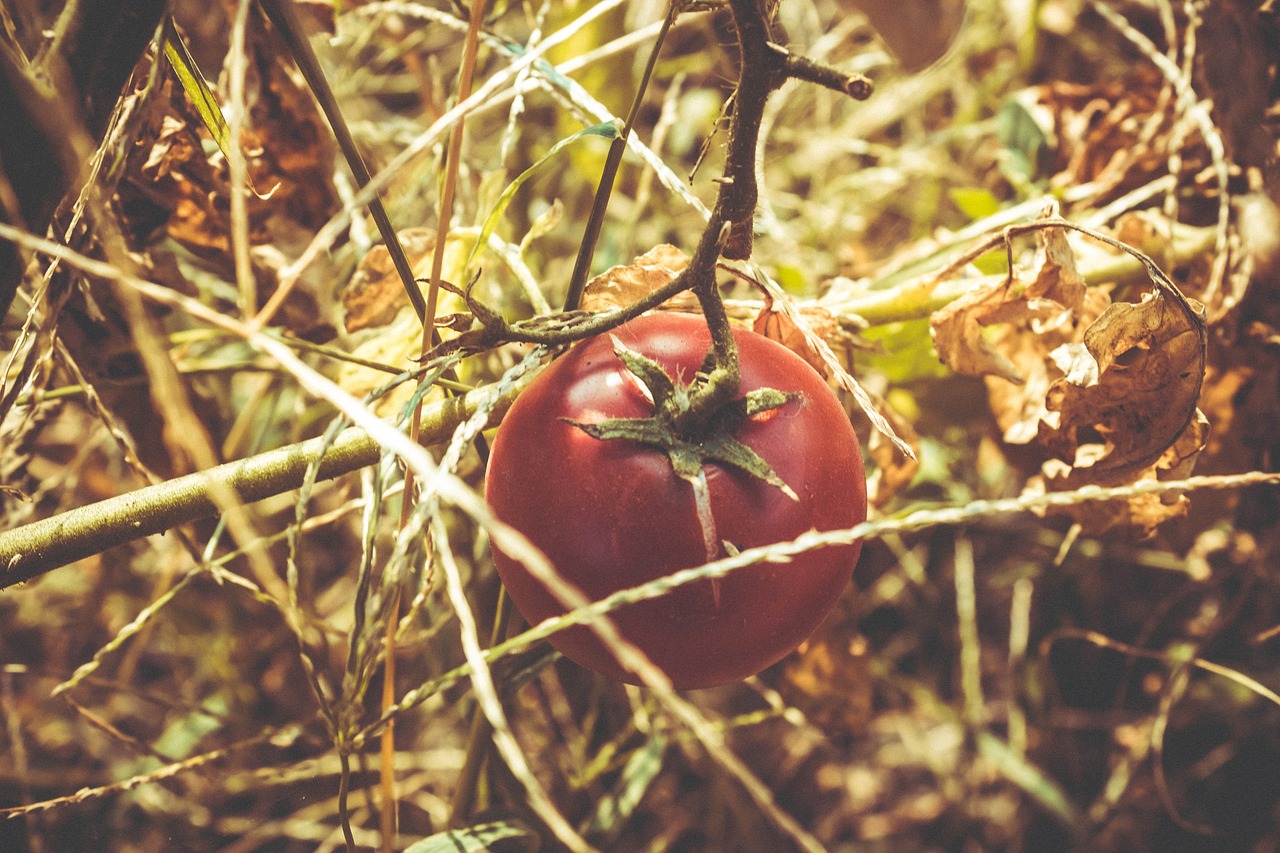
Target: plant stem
{"type": "Point", "coordinates": [40, 546]}
{"type": "Point", "coordinates": [582, 265]}
{"type": "Point", "coordinates": [479, 742]}
{"type": "Point", "coordinates": [729, 232]}
{"type": "Point", "coordinates": [285, 18]}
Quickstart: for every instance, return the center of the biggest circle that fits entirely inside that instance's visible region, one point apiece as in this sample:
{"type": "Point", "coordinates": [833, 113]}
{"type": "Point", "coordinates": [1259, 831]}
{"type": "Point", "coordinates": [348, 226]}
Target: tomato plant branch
{"type": "Point", "coordinates": [38, 547]}
{"type": "Point", "coordinates": [803, 68]}
{"type": "Point", "coordinates": [764, 66]}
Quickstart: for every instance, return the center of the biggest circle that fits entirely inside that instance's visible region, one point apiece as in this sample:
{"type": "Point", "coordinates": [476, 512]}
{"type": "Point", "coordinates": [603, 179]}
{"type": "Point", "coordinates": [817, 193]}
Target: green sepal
{"type": "Point", "coordinates": [768, 399]}
{"type": "Point", "coordinates": [645, 431]}
{"type": "Point", "coordinates": [730, 417]}
{"type": "Point", "coordinates": [715, 442]}
{"type": "Point", "coordinates": [727, 450]}
{"type": "Point", "coordinates": [666, 396]}
{"type": "Point", "coordinates": [686, 457]}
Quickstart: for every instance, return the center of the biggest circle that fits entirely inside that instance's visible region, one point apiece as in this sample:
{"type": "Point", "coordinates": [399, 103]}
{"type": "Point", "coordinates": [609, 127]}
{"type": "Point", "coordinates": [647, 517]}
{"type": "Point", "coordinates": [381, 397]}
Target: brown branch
{"type": "Point", "coordinates": [856, 86]}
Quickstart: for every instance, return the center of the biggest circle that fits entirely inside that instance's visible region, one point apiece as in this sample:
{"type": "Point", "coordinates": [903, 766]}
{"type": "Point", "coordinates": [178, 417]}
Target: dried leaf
{"type": "Point", "coordinates": [620, 286]}
{"type": "Point", "coordinates": [374, 299]}
{"type": "Point", "coordinates": [1108, 390]}
{"type": "Point", "coordinates": [1035, 317]}
{"type": "Point", "coordinates": [1134, 383]}
{"type": "Point", "coordinates": [546, 222]}
{"type": "Point", "coordinates": [917, 32]}
{"type": "Point", "coordinates": [1137, 515]}
{"type": "Point", "coordinates": [958, 336]}
{"type": "Point", "coordinates": [778, 325]}
{"type": "Point", "coordinates": [375, 294]}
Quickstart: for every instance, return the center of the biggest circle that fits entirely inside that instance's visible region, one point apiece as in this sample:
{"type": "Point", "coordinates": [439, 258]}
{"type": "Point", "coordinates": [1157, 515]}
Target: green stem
{"type": "Point", "coordinates": [344, 786]}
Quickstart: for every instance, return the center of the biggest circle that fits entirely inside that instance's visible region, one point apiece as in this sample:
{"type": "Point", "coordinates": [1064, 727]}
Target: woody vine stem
{"type": "Point", "coordinates": [763, 67]}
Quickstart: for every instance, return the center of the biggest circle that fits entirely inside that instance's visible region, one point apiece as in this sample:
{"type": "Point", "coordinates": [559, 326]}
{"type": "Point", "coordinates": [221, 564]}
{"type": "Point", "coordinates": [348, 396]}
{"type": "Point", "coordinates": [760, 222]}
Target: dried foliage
{"type": "Point", "coordinates": [1040, 264]}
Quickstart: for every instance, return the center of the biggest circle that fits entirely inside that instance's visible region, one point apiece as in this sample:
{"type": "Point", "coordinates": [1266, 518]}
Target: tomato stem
{"type": "Point", "coordinates": [730, 231]}
{"type": "Point", "coordinates": [763, 67]}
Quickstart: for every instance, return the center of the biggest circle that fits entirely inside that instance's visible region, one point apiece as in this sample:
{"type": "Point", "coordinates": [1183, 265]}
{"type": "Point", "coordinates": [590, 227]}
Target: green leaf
{"type": "Point", "coordinates": [478, 839]}
{"type": "Point", "coordinates": [605, 130]}
{"type": "Point", "coordinates": [197, 88]}
{"type": "Point", "coordinates": [1030, 778]}
{"type": "Point", "coordinates": [1026, 140]}
{"type": "Point", "coordinates": [641, 769]}
{"type": "Point", "coordinates": [975, 202]}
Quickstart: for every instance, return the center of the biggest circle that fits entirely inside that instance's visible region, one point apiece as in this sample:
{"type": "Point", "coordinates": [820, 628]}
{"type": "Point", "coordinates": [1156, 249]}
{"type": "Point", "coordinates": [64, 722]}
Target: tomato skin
{"type": "Point", "coordinates": [611, 514]}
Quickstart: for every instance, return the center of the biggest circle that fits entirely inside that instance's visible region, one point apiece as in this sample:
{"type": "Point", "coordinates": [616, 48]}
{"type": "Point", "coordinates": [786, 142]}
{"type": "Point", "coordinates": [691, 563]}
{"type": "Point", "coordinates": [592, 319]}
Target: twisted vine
{"type": "Point", "coordinates": [764, 66]}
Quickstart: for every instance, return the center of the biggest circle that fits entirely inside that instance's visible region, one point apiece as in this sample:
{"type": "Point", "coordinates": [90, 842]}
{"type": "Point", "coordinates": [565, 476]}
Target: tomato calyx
{"type": "Point", "coordinates": [690, 445]}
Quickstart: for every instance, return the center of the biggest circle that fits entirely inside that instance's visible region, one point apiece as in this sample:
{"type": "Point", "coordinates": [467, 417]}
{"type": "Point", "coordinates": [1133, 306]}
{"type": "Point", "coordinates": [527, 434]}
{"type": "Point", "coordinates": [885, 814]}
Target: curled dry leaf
{"type": "Point", "coordinates": [1108, 390]}
{"type": "Point", "coordinates": [620, 286]}
{"type": "Point", "coordinates": [1006, 331]}
{"type": "Point", "coordinates": [1136, 515]}
{"type": "Point", "coordinates": [1133, 382]}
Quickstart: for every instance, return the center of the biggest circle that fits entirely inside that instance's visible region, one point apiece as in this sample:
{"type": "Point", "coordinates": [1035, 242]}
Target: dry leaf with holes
{"type": "Point", "coordinates": [1137, 515]}
{"type": "Point", "coordinates": [917, 32]}
{"type": "Point", "coordinates": [1108, 390]}
{"type": "Point", "coordinates": [1047, 310]}
{"type": "Point", "coordinates": [1133, 383]}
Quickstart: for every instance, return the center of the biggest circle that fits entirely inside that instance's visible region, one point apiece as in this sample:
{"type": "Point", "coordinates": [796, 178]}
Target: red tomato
{"type": "Point", "coordinates": [611, 514]}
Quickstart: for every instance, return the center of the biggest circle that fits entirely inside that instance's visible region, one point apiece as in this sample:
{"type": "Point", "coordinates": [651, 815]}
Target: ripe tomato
{"type": "Point", "coordinates": [612, 514]}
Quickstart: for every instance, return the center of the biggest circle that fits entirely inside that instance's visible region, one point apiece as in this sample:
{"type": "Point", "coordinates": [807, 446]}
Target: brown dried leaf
{"type": "Point", "coordinates": [375, 294]}
{"type": "Point", "coordinates": [1137, 515]}
{"type": "Point", "coordinates": [1134, 382]}
{"type": "Point", "coordinates": [374, 299]}
{"type": "Point", "coordinates": [620, 286]}
{"type": "Point", "coordinates": [1034, 318]}
{"type": "Point", "coordinates": [958, 336]}
{"type": "Point", "coordinates": [1108, 390]}
{"type": "Point", "coordinates": [778, 325]}
{"type": "Point", "coordinates": [397, 344]}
